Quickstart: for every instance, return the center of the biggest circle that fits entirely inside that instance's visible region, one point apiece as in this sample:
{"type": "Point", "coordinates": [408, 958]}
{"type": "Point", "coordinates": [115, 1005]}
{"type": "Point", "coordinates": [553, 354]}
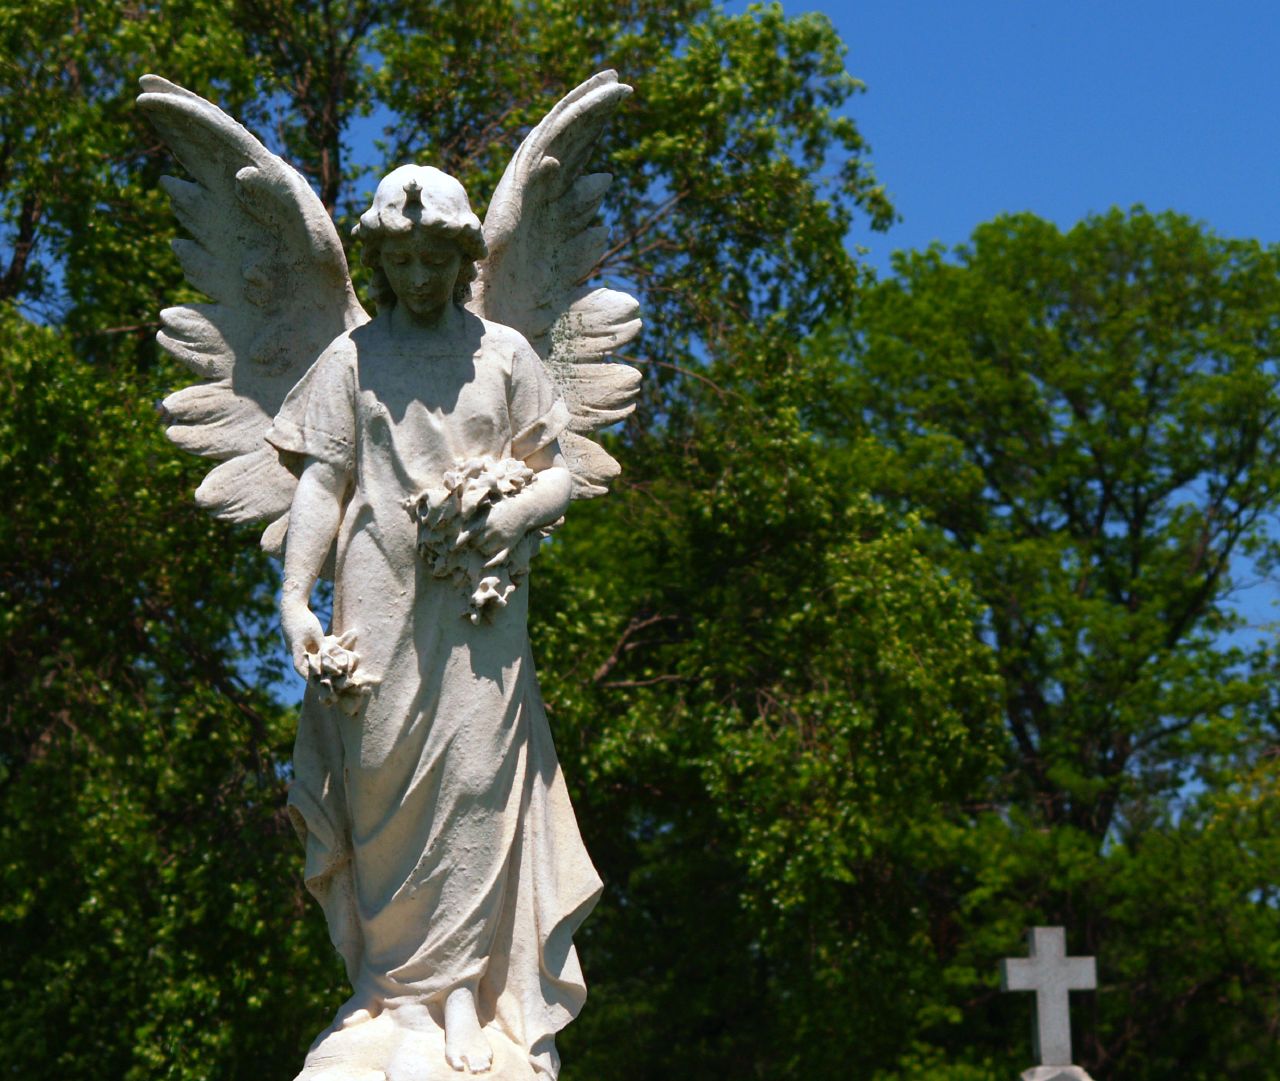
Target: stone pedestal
{"type": "Point", "coordinates": [1055, 1073]}
{"type": "Point", "coordinates": [404, 1044]}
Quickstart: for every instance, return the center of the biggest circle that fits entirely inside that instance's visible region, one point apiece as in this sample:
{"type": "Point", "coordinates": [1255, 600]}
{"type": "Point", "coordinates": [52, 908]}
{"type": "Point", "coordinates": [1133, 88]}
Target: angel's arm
{"type": "Point", "coordinates": [541, 503]}
{"type": "Point", "coordinates": [313, 523]}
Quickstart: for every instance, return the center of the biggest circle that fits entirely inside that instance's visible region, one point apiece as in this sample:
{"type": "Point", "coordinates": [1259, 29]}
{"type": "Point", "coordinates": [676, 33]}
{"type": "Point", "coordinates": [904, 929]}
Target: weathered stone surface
{"type": "Point", "coordinates": [403, 1045]}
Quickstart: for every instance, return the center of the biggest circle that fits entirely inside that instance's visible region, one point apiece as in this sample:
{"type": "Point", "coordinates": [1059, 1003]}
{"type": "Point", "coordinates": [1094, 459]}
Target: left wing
{"type": "Point", "coordinates": [264, 249]}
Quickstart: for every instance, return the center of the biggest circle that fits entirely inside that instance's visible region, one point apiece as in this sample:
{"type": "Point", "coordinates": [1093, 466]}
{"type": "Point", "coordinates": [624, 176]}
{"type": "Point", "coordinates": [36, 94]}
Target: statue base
{"type": "Point", "coordinates": [404, 1044]}
{"type": "Point", "coordinates": [1055, 1073]}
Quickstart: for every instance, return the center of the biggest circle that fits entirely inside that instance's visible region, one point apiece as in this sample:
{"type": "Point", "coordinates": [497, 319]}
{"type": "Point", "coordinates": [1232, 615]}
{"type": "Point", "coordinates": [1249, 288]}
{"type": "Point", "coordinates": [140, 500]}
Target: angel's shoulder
{"type": "Point", "coordinates": [346, 346]}
{"type": "Point", "coordinates": [502, 339]}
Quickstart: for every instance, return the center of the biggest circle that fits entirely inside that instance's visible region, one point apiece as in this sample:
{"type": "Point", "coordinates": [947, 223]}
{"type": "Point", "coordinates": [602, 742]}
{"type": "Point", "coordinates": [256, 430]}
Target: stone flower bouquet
{"type": "Point", "coordinates": [333, 669]}
{"type": "Point", "coordinates": [451, 523]}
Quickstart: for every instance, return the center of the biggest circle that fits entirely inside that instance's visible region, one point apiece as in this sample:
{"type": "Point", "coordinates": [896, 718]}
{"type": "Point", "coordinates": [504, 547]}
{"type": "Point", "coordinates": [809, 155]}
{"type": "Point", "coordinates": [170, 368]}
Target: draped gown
{"type": "Point", "coordinates": [439, 837]}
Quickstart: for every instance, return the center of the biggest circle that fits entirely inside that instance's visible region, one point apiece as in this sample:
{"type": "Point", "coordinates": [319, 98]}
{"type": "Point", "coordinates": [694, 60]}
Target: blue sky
{"type": "Point", "coordinates": [1064, 107]}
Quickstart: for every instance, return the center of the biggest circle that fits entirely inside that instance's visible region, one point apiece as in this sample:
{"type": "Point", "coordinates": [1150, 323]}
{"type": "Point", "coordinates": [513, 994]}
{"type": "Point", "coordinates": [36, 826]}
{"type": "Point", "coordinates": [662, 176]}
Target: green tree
{"type": "Point", "coordinates": [140, 757]}
{"type": "Point", "coordinates": [1087, 422]}
{"type": "Point", "coordinates": [142, 842]}
{"type": "Point", "coordinates": [785, 701]}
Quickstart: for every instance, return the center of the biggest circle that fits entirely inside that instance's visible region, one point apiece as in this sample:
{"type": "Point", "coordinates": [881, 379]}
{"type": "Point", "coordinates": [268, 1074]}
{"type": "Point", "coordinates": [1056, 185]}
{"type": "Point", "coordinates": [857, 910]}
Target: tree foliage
{"type": "Point", "coordinates": [1087, 421]}
{"type": "Point", "coordinates": [758, 688]}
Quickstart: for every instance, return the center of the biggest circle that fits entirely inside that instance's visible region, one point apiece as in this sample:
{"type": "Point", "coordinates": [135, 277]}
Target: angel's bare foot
{"type": "Point", "coordinates": [465, 1045]}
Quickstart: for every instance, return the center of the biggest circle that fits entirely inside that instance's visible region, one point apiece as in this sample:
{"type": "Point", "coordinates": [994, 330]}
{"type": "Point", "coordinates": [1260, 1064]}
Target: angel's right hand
{"type": "Point", "coordinates": [302, 634]}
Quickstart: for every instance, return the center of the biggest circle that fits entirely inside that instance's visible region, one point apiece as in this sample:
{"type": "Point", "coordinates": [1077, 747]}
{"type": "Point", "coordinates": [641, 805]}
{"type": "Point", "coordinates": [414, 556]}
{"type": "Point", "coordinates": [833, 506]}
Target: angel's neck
{"type": "Point", "coordinates": [443, 323]}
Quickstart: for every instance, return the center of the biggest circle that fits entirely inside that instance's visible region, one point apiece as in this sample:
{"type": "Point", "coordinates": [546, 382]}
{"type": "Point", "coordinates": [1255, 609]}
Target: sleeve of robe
{"type": "Point", "coordinates": [538, 413]}
{"type": "Point", "coordinates": [318, 416]}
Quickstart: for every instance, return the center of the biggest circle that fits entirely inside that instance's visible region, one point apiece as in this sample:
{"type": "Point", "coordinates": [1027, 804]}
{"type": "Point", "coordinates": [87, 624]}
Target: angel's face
{"type": "Point", "coordinates": [422, 270]}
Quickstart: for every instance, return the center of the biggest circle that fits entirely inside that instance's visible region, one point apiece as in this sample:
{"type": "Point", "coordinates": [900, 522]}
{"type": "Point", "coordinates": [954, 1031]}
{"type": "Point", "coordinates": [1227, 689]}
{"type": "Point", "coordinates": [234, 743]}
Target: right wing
{"type": "Point", "coordinates": [264, 249]}
{"type": "Point", "coordinates": [542, 251]}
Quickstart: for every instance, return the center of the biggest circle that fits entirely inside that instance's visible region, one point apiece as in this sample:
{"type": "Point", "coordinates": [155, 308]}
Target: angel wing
{"type": "Point", "coordinates": [542, 248]}
{"type": "Point", "coordinates": [265, 251]}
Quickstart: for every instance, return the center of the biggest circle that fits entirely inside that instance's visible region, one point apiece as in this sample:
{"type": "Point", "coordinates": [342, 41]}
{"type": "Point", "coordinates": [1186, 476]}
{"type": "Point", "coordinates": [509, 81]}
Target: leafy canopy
{"type": "Point", "coordinates": [1087, 423]}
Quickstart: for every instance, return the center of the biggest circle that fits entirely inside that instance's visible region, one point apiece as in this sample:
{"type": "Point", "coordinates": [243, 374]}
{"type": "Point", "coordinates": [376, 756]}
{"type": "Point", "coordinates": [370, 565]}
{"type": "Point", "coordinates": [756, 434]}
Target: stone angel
{"type": "Point", "coordinates": [416, 458]}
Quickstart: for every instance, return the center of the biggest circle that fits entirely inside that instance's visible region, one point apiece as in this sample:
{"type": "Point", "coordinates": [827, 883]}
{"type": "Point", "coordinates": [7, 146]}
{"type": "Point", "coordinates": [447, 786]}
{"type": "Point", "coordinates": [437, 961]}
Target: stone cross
{"type": "Point", "coordinates": [1051, 974]}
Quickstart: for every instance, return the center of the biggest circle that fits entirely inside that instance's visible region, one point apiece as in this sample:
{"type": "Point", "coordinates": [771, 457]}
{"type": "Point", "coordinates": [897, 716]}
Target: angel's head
{"type": "Point", "coordinates": [417, 204]}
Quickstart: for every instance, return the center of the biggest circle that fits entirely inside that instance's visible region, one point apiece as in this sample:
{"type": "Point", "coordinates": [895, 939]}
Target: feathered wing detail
{"type": "Point", "coordinates": [265, 251]}
{"type": "Point", "coordinates": [542, 249]}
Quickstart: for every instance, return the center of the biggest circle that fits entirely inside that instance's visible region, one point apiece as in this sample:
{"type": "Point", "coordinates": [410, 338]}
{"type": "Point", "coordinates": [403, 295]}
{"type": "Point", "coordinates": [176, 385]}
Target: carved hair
{"type": "Point", "coordinates": [420, 197]}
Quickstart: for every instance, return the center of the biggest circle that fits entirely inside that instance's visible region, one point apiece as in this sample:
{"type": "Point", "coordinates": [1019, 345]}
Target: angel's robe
{"type": "Point", "coordinates": [439, 836]}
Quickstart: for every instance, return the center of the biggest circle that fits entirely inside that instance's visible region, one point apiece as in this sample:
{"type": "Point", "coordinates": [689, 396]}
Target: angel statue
{"type": "Point", "coordinates": [417, 458]}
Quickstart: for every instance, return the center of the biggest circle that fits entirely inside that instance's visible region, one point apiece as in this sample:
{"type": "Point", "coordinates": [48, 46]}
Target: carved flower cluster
{"type": "Point", "coordinates": [333, 668]}
{"type": "Point", "coordinates": [451, 522]}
